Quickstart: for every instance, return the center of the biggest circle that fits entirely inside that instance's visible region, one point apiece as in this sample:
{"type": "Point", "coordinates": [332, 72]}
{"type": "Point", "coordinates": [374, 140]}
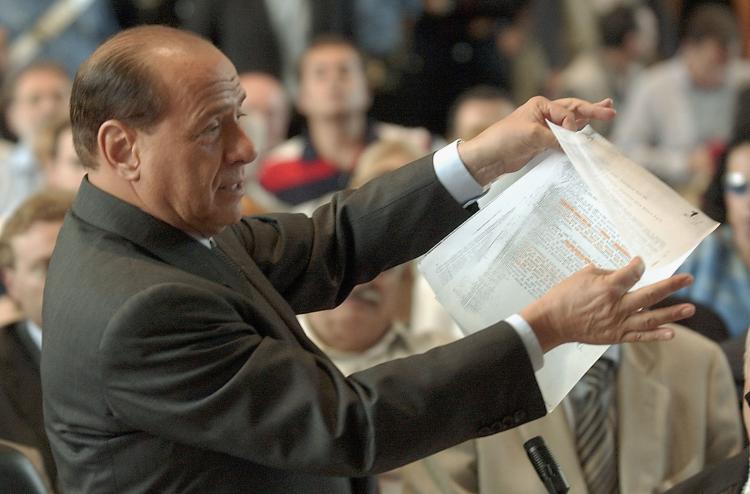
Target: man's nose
{"type": "Point", "coordinates": [241, 149]}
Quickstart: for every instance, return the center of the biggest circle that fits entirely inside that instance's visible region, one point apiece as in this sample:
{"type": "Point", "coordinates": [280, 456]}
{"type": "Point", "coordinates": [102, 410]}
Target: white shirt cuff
{"type": "Point", "coordinates": [452, 173]}
{"type": "Point", "coordinates": [529, 339]}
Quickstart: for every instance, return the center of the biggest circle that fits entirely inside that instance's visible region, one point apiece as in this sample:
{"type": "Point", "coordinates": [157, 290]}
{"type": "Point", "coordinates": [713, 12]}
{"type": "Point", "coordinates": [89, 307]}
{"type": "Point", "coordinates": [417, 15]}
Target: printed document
{"type": "Point", "coordinates": [591, 205]}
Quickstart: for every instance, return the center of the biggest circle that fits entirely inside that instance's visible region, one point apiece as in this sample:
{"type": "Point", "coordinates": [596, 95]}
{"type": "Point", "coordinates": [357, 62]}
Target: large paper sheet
{"type": "Point", "coordinates": [593, 206]}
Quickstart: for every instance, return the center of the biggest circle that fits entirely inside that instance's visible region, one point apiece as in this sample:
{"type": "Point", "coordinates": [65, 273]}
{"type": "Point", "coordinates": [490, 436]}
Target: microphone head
{"type": "Point", "coordinates": [545, 465]}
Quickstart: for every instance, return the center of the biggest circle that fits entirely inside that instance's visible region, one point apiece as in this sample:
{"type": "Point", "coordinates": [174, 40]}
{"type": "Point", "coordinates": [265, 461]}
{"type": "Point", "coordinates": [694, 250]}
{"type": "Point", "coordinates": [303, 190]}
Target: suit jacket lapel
{"type": "Point", "coordinates": [165, 242]}
{"type": "Point", "coordinates": [643, 402]}
{"type": "Point", "coordinates": [179, 249]}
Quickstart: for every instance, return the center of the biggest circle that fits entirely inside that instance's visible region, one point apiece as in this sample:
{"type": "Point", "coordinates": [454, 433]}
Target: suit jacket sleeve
{"type": "Point", "coordinates": [223, 387]}
{"type": "Point", "coordinates": [315, 262]}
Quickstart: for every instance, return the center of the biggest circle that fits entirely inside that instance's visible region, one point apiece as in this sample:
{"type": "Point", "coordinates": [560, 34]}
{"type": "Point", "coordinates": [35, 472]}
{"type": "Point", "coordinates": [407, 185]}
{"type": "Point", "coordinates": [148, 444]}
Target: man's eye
{"type": "Point", "coordinates": [211, 128]}
{"type": "Point", "coordinates": [241, 114]}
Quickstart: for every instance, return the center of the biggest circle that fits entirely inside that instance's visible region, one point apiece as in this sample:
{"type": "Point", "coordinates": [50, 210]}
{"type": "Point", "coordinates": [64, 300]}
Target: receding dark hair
{"type": "Point", "coordinates": [482, 92]}
{"type": "Point", "coordinates": [616, 25]}
{"type": "Point", "coordinates": [118, 82]}
{"type": "Point", "coordinates": [711, 21]}
{"type": "Point", "coordinates": [324, 40]}
{"type": "Point", "coordinates": [49, 205]}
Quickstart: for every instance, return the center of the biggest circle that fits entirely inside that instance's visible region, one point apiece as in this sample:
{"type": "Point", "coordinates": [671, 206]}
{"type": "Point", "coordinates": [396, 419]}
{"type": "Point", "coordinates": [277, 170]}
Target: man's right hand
{"type": "Point", "coordinates": [510, 143]}
{"type": "Point", "coordinates": [594, 306]}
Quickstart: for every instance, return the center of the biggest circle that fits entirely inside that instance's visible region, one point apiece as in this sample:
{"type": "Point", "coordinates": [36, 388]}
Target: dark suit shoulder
{"type": "Point", "coordinates": [726, 477]}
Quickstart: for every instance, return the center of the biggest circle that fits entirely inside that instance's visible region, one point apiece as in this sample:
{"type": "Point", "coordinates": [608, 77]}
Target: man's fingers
{"type": "Point", "coordinates": [628, 275]}
{"type": "Point", "coordinates": [561, 115]}
{"type": "Point", "coordinates": [652, 294]}
{"type": "Point", "coordinates": [658, 334]}
{"type": "Point", "coordinates": [585, 111]}
{"type": "Point", "coordinates": [647, 320]}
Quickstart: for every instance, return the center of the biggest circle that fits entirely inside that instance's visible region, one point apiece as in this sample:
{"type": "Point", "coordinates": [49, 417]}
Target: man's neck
{"type": "Point", "coordinates": [339, 140]}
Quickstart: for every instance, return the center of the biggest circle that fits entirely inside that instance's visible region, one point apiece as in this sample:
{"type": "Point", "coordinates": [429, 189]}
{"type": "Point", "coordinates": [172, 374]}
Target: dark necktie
{"type": "Point", "coordinates": [595, 425]}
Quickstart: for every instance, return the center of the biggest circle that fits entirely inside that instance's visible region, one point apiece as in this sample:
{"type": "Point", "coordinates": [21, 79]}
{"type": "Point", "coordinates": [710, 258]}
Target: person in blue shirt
{"type": "Point", "coordinates": [721, 264]}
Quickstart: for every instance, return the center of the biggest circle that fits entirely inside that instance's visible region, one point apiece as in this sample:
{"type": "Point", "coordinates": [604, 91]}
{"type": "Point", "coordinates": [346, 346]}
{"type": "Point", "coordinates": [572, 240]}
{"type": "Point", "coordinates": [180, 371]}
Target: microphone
{"type": "Point", "coordinates": [545, 465]}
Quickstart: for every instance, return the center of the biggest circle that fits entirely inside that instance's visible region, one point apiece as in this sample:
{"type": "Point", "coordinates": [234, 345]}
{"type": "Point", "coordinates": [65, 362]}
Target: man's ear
{"type": "Point", "coordinates": [117, 145]}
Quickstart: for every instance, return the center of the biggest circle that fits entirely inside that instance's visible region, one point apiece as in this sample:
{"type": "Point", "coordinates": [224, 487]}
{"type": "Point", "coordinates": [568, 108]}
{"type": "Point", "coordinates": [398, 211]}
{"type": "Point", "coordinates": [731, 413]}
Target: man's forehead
{"type": "Point", "coordinates": [198, 79]}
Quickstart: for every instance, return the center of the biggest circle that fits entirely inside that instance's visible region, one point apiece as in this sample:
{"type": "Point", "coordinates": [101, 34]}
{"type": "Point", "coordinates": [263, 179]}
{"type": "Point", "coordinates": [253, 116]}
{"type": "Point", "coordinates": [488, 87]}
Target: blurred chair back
{"type": "Point", "coordinates": [17, 473]}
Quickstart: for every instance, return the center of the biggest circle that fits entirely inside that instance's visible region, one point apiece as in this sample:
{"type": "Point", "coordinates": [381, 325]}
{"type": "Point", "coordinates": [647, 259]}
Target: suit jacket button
{"type": "Point", "coordinates": [484, 431]}
{"type": "Point", "coordinates": [519, 417]}
{"type": "Point", "coordinates": [508, 422]}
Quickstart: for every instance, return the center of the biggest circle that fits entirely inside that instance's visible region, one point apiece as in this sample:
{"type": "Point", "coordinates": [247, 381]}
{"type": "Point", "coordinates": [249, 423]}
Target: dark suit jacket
{"type": "Point", "coordinates": [242, 29]}
{"type": "Point", "coordinates": [726, 477]}
{"type": "Point", "coordinates": [167, 369]}
{"type": "Point", "coordinates": [21, 418]}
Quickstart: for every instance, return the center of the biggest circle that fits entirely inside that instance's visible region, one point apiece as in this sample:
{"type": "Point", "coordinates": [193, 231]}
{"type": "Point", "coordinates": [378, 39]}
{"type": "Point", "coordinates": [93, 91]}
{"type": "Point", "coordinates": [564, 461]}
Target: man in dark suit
{"type": "Point", "coordinates": [26, 245]}
{"type": "Point", "coordinates": [173, 360]}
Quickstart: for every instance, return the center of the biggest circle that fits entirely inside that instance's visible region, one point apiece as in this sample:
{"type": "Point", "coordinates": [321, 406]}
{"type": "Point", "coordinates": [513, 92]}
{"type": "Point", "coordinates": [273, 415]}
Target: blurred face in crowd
{"type": "Point", "coordinates": [738, 198]}
{"type": "Point", "coordinates": [188, 169]}
{"type": "Point", "coordinates": [332, 83]}
{"type": "Point", "coordinates": [364, 317]}
{"type": "Point", "coordinates": [475, 115]}
{"type": "Point", "coordinates": [265, 96]}
{"type": "Point", "coordinates": [65, 171]}
{"type": "Point", "coordinates": [40, 95]}
{"type": "Point", "coordinates": [24, 281]}
{"type": "Point", "coordinates": [707, 61]}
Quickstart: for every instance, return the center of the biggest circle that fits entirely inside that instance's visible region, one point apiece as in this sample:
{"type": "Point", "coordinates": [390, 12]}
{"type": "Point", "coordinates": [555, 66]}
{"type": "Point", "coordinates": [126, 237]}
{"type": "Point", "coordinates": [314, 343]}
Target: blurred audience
{"type": "Point", "coordinates": [265, 97]}
{"type": "Point", "coordinates": [26, 245]}
{"type": "Point", "coordinates": [720, 264]}
{"type": "Point", "coordinates": [645, 417]}
{"type": "Point", "coordinates": [67, 32]}
{"type": "Point", "coordinates": [607, 72]}
{"type": "Point", "coordinates": [729, 476]}
{"type": "Point", "coordinates": [334, 98]}
{"type": "Point", "coordinates": [34, 96]}
{"type": "Point", "coordinates": [476, 109]}
{"type": "Point", "coordinates": [679, 113]}
{"type": "Point", "coordinates": [54, 150]}
{"type": "Point", "coordinates": [268, 35]}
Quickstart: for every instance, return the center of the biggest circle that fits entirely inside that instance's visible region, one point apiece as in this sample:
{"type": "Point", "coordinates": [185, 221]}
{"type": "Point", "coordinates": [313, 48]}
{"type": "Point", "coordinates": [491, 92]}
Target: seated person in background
{"type": "Point", "coordinates": [26, 245]}
{"type": "Point", "coordinates": [371, 326]}
{"type": "Point", "coordinates": [60, 162]}
{"type": "Point", "coordinates": [731, 475]}
{"type": "Point", "coordinates": [476, 109]}
{"type": "Point", "coordinates": [472, 112]}
{"type": "Point", "coordinates": [667, 410]}
{"type": "Point", "coordinates": [720, 264]}
{"type": "Point", "coordinates": [334, 99]}
{"type": "Point", "coordinates": [680, 112]}
{"type": "Point", "coordinates": [35, 95]}
{"type": "Point", "coordinates": [268, 112]}
{"type": "Point", "coordinates": [608, 70]}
